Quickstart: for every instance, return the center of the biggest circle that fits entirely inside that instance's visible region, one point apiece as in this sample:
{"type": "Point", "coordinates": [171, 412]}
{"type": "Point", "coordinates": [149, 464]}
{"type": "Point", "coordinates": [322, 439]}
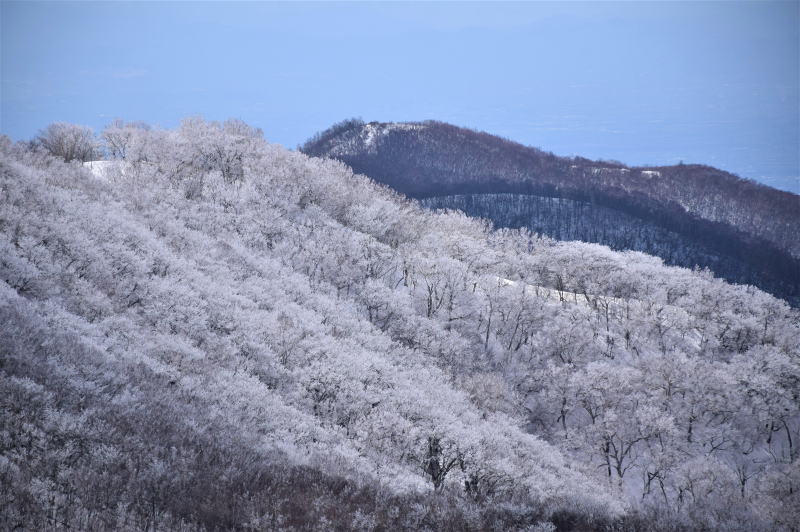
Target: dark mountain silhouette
{"type": "Point", "coordinates": [687, 214]}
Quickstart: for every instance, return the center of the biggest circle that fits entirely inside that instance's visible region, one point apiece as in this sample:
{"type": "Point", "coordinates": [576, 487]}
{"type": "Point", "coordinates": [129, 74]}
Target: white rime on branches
{"type": "Point", "coordinates": [69, 141]}
{"type": "Point", "coordinates": [219, 333]}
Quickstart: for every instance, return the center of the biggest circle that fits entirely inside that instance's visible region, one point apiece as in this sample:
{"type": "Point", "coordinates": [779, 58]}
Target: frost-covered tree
{"type": "Point", "coordinates": [123, 140]}
{"type": "Point", "coordinates": [68, 141]}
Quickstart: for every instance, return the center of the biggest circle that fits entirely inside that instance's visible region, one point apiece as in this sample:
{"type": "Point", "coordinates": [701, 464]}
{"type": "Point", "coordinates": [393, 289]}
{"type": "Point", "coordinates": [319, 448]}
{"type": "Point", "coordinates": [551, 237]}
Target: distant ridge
{"type": "Point", "coordinates": [744, 231]}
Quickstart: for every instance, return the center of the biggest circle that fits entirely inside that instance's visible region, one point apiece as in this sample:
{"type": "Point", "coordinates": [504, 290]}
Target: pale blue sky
{"type": "Point", "coordinates": [643, 82]}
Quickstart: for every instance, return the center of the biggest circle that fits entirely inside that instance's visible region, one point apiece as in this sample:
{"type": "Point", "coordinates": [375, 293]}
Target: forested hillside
{"type": "Point", "coordinates": [744, 232]}
{"type": "Point", "coordinates": [208, 331]}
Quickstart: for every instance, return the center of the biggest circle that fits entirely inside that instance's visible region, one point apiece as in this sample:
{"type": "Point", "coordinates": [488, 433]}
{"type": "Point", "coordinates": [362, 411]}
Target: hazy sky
{"type": "Point", "coordinates": [643, 82]}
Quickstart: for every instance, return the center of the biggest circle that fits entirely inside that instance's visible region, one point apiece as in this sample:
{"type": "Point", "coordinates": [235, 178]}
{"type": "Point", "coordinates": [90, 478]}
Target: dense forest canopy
{"type": "Point", "coordinates": [743, 231]}
{"type": "Point", "coordinates": [209, 331]}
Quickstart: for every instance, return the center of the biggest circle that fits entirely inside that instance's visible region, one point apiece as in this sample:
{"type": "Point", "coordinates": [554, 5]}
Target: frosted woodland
{"type": "Point", "coordinates": [207, 331]}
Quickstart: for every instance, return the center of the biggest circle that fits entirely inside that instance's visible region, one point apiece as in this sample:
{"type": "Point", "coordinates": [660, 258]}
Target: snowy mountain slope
{"type": "Point", "coordinates": [191, 298]}
{"type": "Point", "coordinates": [255, 338]}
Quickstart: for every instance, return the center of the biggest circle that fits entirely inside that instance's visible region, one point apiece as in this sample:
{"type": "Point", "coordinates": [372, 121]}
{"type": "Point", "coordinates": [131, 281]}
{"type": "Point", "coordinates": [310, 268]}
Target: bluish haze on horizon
{"type": "Point", "coordinates": [644, 83]}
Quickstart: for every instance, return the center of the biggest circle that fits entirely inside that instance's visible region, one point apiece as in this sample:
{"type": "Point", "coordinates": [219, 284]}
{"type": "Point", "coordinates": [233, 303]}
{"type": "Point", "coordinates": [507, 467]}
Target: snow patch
{"type": "Point", "coordinates": [603, 170]}
{"type": "Point", "coordinates": [371, 131]}
{"type": "Point", "coordinates": [100, 169]}
{"type": "Point", "coordinates": [371, 134]}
